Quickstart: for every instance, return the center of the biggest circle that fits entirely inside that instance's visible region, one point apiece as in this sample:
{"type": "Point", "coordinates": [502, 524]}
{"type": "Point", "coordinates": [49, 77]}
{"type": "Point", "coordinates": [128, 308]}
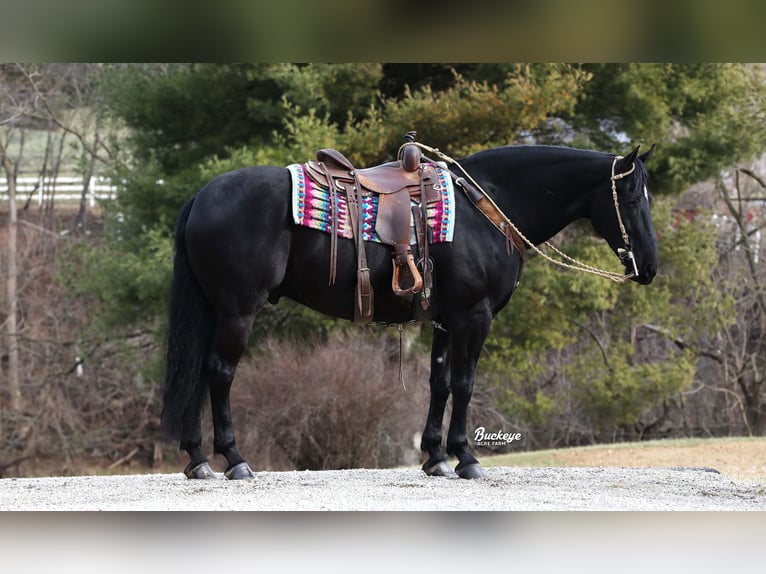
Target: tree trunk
{"type": "Point", "coordinates": [81, 214]}
{"type": "Point", "coordinates": [11, 331]}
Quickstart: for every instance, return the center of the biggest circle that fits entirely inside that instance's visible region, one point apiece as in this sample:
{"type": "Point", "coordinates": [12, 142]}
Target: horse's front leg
{"type": "Point", "coordinates": [431, 442]}
{"type": "Point", "coordinates": [466, 344]}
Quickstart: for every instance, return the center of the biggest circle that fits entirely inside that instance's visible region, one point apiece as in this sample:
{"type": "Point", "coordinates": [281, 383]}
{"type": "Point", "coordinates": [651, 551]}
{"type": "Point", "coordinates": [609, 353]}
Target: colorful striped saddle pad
{"type": "Point", "coordinates": [311, 208]}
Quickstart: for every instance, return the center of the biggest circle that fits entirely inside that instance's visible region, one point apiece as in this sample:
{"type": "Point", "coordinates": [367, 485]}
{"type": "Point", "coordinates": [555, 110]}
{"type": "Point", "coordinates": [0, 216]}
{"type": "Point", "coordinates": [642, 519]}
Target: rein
{"type": "Point", "coordinates": [569, 262]}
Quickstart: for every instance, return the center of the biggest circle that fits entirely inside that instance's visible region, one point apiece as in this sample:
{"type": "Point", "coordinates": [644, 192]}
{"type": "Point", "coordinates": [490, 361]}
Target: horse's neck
{"type": "Point", "coordinates": [541, 193]}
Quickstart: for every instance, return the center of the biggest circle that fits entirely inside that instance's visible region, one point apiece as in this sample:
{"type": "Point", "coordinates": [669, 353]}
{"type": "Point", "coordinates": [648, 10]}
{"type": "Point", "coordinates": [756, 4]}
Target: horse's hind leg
{"type": "Point", "coordinates": [230, 341]}
{"type": "Point", "coordinates": [198, 466]}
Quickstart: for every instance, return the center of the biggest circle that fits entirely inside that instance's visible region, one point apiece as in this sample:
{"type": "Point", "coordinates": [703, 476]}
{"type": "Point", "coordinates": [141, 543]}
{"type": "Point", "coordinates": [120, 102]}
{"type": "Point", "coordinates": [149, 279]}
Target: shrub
{"type": "Point", "coordinates": [331, 405]}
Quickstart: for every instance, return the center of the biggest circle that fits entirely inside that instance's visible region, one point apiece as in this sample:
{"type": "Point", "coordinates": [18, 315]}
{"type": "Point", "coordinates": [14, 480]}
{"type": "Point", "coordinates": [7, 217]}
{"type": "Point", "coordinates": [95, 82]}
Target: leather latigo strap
{"type": "Point", "coordinates": [333, 199]}
{"type": "Point", "coordinates": [363, 309]}
{"type": "Point", "coordinates": [363, 301]}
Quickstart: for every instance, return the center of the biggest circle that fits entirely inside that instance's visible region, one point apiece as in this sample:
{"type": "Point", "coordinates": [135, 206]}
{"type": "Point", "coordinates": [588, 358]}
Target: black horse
{"type": "Point", "coordinates": [237, 248]}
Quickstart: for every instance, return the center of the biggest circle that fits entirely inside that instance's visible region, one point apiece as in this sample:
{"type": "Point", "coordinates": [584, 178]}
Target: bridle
{"type": "Point", "coordinates": [624, 253]}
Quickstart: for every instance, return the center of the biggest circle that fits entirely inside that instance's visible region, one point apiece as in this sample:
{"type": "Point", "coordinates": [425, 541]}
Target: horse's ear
{"type": "Point", "coordinates": [644, 157]}
{"type": "Point", "coordinates": [625, 163]}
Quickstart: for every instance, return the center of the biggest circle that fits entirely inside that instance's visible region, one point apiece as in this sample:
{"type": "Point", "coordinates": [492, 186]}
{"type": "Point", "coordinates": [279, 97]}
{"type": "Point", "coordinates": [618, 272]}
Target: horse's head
{"type": "Point", "coordinates": [622, 215]}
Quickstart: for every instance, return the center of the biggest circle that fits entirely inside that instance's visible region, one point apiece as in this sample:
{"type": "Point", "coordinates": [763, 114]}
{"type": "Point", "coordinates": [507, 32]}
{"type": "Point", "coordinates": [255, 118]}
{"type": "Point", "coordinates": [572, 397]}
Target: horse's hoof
{"type": "Point", "coordinates": [239, 472]}
{"type": "Point", "coordinates": [470, 471]}
{"type": "Point", "coordinates": [439, 469]}
{"type": "Point", "coordinates": [202, 471]}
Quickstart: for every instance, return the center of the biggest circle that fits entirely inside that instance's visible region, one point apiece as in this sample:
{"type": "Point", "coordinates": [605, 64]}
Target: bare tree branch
{"type": "Point", "coordinates": [41, 102]}
{"type": "Point", "coordinates": [758, 179]}
{"type": "Point", "coordinates": [595, 337]}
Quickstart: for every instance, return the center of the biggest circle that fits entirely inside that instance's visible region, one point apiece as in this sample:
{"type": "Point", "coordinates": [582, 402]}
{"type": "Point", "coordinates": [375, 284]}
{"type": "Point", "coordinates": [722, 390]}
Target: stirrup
{"type": "Point", "coordinates": [417, 278]}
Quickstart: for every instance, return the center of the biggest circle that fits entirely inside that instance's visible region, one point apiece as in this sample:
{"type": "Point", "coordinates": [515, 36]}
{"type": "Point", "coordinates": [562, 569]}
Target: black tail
{"type": "Point", "coordinates": [189, 338]}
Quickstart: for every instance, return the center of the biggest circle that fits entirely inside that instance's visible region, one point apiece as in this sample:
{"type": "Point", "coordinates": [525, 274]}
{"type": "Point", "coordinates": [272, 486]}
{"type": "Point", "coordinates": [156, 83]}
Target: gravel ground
{"type": "Point", "coordinates": [504, 488]}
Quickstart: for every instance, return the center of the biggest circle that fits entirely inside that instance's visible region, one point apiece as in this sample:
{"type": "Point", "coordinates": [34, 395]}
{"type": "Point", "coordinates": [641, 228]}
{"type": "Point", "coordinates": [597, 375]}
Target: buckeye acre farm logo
{"type": "Point", "coordinates": [498, 438]}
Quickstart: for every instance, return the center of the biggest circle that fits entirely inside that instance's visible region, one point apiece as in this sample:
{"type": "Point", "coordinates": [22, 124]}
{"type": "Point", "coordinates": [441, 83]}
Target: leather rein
{"type": "Point", "coordinates": [501, 221]}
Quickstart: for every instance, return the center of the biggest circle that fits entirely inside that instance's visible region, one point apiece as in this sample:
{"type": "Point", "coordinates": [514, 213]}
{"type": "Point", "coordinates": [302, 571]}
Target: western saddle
{"type": "Point", "coordinates": [404, 188]}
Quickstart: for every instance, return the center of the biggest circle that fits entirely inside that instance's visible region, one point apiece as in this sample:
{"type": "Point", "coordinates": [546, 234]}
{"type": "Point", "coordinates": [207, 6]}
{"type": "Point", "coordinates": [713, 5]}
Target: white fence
{"type": "Point", "coordinates": [62, 189]}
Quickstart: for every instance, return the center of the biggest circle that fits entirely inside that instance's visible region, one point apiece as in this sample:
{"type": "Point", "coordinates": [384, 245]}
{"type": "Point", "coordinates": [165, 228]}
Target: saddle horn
{"type": "Point", "coordinates": [410, 154]}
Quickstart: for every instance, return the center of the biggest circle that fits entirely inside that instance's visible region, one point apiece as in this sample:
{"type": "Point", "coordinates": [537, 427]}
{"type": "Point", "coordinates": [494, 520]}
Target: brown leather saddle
{"type": "Point", "coordinates": [404, 188]}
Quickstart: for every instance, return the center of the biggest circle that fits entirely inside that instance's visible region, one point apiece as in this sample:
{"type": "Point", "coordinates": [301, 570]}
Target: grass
{"type": "Point", "coordinates": [35, 143]}
{"type": "Point", "coordinates": [742, 458]}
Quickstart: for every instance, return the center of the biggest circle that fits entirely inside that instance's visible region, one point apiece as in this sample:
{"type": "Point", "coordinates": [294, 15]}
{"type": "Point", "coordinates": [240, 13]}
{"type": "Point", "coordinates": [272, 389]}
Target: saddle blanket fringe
{"type": "Point", "coordinates": [311, 208]}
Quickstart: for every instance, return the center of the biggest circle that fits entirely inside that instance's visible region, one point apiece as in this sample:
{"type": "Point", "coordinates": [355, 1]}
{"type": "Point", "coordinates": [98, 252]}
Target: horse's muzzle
{"type": "Point", "coordinates": [642, 279]}
{"type": "Point", "coordinates": [645, 275]}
